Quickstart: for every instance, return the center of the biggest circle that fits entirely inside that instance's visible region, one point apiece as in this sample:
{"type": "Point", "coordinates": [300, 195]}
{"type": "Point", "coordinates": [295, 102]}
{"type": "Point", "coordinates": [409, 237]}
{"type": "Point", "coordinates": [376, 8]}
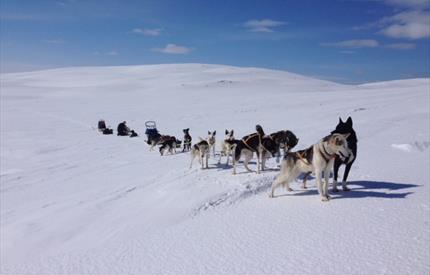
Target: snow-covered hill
{"type": "Point", "coordinates": [77, 202]}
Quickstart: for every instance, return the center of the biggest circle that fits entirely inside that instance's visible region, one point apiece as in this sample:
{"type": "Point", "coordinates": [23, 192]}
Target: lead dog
{"type": "Point", "coordinates": [342, 128]}
{"type": "Point", "coordinates": [200, 150]}
{"type": "Point", "coordinates": [318, 158]}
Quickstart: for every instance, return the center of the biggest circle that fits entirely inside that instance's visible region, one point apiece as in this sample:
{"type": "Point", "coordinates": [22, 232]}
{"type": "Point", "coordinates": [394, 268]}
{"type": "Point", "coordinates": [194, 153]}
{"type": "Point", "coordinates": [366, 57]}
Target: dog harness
{"type": "Point", "coordinates": [301, 157]}
{"type": "Point", "coordinates": [325, 154]}
{"type": "Point", "coordinates": [245, 141]}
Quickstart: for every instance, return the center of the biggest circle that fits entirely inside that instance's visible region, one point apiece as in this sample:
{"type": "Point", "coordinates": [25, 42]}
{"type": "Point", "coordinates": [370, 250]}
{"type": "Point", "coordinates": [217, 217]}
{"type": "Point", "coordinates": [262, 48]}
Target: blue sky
{"type": "Point", "coordinates": [351, 41]}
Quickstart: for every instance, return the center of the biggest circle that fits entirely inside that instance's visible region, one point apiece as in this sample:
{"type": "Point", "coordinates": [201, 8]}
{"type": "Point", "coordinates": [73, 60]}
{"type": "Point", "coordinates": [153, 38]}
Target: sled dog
{"type": "Point", "coordinates": [200, 150]}
{"type": "Point", "coordinates": [271, 145]}
{"type": "Point", "coordinates": [345, 128]}
{"type": "Point", "coordinates": [227, 146]}
{"type": "Point", "coordinates": [187, 140]}
{"type": "Point", "coordinates": [342, 128]}
{"type": "Point", "coordinates": [318, 158]}
{"type": "Point", "coordinates": [246, 147]}
{"type": "Point", "coordinates": [211, 141]}
{"type": "Point", "coordinates": [169, 145]}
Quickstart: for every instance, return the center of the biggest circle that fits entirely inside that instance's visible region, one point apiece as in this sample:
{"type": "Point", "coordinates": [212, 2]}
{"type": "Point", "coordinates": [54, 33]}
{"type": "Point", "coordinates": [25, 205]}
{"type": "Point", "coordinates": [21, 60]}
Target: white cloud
{"type": "Point", "coordinates": [408, 3]}
{"type": "Point", "coordinates": [408, 24]}
{"type": "Point", "coordinates": [401, 46]}
{"type": "Point", "coordinates": [173, 49]}
{"type": "Point", "coordinates": [54, 41]}
{"type": "Point", "coordinates": [347, 52]}
{"type": "Point", "coordinates": [265, 25]}
{"type": "Point", "coordinates": [113, 52]}
{"type": "Point", "coordinates": [147, 32]}
{"type": "Point", "coordinates": [355, 43]}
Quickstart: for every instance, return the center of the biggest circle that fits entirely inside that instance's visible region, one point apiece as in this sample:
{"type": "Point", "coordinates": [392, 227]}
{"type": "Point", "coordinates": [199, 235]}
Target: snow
{"type": "Point", "coordinates": [76, 202]}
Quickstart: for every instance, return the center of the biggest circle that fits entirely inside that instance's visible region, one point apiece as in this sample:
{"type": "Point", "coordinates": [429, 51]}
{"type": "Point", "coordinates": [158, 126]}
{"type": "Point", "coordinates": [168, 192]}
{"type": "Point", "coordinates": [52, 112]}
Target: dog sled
{"type": "Point", "coordinates": [151, 130]}
{"type": "Point", "coordinates": [154, 137]}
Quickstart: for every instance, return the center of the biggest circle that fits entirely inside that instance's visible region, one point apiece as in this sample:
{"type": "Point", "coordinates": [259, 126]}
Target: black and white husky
{"type": "Point", "coordinates": [211, 141]}
{"type": "Point", "coordinates": [343, 128]}
{"type": "Point", "coordinates": [318, 158]}
{"type": "Point", "coordinates": [227, 146]}
{"type": "Point", "coordinates": [169, 145]}
{"type": "Point", "coordinates": [264, 146]}
{"type": "Point", "coordinates": [200, 150]}
{"type": "Point", "coordinates": [271, 145]}
{"type": "Point", "coordinates": [246, 147]}
{"type": "Point", "coordinates": [187, 140]}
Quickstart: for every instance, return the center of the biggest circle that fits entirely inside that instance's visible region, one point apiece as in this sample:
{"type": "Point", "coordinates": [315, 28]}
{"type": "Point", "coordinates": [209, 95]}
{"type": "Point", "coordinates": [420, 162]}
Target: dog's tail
{"type": "Point", "coordinates": [259, 130]}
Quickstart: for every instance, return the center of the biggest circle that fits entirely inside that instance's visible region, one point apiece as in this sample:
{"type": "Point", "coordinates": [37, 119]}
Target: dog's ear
{"type": "Point", "coordinates": [226, 131]}
{"type": "Point", "coordinates": [340, 120]}
{"type": "Point", "coordinates": [232, 131]}
{"type": "Point", "coordinates": [349, 121]}
{"type": "Point", "coordinates": [214, 133]}
{"type": "Point", "coordinates": [209, 132]}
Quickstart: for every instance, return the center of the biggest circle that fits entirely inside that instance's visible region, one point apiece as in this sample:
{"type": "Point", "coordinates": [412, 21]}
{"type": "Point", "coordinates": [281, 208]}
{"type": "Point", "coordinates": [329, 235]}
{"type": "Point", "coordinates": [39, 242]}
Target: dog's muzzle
{"type": "Point", "coordinates": [342, 156]}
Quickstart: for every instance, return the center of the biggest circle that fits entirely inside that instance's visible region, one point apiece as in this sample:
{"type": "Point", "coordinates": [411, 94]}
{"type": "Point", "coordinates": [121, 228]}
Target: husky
{"type": "Point", "coordinates": [318, 158]}
{"type": "Point", "coordinates": [345, 128]}
{"type": "Point", "coordinates": [227, 146]}
{"type": "Point", "coordinates": [169, 145]}
{"type": "Point", "coordinates": [200, 150]}
{"type": "Point", "coordinates": [246, 147]}
{"type": "Point", "coordinates": [187, 140]}
{"type": "Point", "coordinates": [271, 145]}
{"type": "Point", "coordinates": [342, 128]}
{"type": "Point", "coordinates": [157, 139]}
{"type": "Point", "coordinates": [211, 141]}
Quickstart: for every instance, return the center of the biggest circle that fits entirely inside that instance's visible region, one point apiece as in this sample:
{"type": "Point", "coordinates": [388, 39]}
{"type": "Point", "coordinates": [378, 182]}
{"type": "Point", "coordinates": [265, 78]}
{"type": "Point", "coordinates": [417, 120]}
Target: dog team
{"type": "Point", "coordinates": [328, 154]}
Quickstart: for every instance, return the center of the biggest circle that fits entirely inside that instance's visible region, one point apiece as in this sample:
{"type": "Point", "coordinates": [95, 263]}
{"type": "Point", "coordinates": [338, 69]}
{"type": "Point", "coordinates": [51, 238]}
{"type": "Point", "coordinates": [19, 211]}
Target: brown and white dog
{"type": "Point", "coordinates": [200, 150]}
{"type": "Point", "coordinates": [318, 158]}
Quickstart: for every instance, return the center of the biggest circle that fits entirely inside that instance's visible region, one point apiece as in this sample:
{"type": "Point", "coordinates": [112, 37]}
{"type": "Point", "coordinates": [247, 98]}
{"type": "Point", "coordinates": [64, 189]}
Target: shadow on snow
{"type": "Point", "coordinates": [365, 189]}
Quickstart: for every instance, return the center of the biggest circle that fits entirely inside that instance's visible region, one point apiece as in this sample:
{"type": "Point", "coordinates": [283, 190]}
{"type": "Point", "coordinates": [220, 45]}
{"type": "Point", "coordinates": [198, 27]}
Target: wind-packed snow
{"type": "Point", "coordinates": [74, 201]}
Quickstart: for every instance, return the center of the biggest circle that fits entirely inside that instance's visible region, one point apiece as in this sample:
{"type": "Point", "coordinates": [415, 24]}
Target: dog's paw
{"type": "Point", "coordinates": [335, 189]}
{"type": "Point", "coordinates": [289, 189]}
{"type": "Point", "coordinates": [325, 198]}
{"type": "Point", "coordinates": [304, 187]}
{"type": "Point", "coordinates": [344, 188]}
